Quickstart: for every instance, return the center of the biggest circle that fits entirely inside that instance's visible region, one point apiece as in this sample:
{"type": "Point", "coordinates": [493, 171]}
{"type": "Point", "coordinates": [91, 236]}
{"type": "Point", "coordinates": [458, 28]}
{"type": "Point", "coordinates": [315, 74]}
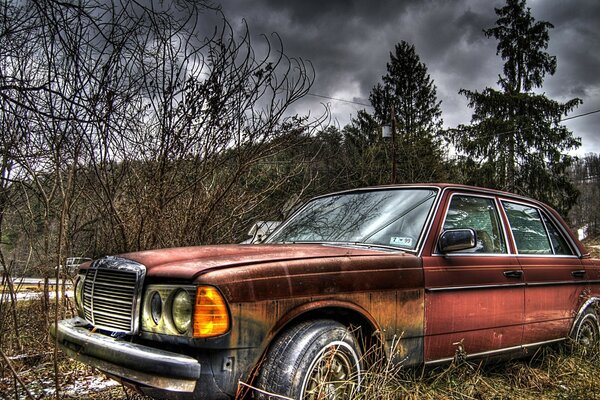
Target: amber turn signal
{"type": "Point", "coordinates": [210, 313]}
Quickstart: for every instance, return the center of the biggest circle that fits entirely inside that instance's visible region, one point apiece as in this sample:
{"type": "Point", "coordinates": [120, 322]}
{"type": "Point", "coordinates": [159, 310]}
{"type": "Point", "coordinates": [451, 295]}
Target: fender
{"type": "Point", "coordinates": [589, 302]}
{"type": "Point", "coordinates": [321, 305]}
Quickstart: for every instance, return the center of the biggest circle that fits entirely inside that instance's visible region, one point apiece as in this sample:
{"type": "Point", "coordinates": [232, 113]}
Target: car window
{"type": "Point", "coordinates": [405, 231]}
{"type": "Point", "coordinates": [481, 215]}
{"type": "Point", "coordinates": [559, 243]}
{"type": "Point", "coordinates": [394, 218]}
{"type": "Point", "coordinates": [528, 229]}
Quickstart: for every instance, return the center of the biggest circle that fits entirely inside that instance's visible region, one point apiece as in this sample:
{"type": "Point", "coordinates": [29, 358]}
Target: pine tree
{"type": "Point", "coordinates": [515, 133]}
{"type": "Point", "coordinates": [408, 89]}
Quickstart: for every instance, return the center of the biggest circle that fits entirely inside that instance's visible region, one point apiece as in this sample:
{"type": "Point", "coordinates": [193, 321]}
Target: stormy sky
{"type": "Point", "coordinates": [349, 41]}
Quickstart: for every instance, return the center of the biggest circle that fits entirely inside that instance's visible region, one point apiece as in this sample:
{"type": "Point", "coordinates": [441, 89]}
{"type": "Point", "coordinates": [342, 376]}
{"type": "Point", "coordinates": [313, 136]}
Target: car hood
{"type": "Point", "coordinates": [189, 262]}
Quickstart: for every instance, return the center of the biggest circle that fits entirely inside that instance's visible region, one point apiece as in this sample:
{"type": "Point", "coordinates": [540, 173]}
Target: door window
{"type": "Point", "coordinates": [479, 214]}
{"type": "Point", "coordinates": [528, 229]}
{"type": "Point", "coordinates": [559, 243]}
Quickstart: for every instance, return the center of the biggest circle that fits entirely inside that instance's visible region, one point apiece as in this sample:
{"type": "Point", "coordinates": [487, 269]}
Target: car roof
{"type": "Point", "coordinates": [445, 186]}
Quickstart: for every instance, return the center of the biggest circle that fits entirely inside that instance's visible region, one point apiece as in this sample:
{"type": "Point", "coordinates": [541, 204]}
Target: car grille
{"type": "Point", "coordinates": [111, 294]}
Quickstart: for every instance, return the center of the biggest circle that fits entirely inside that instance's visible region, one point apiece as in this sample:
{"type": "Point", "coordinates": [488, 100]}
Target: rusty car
{"type": "Point", "coordinates": [411, 272]}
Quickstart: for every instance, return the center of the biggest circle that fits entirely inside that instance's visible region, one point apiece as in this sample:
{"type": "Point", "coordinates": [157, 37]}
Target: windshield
{"type": "Point", "coordinates": [394, 217]}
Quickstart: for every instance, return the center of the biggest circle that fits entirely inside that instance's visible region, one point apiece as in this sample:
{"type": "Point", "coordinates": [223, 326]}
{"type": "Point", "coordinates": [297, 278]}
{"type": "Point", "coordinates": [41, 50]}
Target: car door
{"type": "Point", "coordinates": [474, 299]}
{"type": "Point", "coordinates": [555, 278]}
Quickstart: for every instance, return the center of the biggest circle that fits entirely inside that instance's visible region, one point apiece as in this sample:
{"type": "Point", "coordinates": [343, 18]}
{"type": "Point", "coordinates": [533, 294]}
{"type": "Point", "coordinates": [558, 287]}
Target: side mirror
{"type": "Point", "coordinates": [260, 230]}
{"type": "Point", "coordinates": [456, 240]}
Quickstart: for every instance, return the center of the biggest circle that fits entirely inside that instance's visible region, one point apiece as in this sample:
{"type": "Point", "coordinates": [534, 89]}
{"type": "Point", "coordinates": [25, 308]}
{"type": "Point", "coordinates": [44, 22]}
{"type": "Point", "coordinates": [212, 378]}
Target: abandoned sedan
{"type": "Point", "coordinates": [415, 273]}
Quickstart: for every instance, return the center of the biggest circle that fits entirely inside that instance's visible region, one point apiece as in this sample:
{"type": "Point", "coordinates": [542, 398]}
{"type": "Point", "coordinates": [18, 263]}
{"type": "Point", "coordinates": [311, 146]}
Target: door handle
{"type": "Point", "coordinates": [513, 274]}
{"type": "Point", "coordinates": [578, 274]}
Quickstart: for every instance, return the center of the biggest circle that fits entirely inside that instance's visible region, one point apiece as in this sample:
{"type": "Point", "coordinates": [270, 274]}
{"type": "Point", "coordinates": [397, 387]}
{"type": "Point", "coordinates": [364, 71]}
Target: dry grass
{"type": "Point", "coordinates": [558, 372]}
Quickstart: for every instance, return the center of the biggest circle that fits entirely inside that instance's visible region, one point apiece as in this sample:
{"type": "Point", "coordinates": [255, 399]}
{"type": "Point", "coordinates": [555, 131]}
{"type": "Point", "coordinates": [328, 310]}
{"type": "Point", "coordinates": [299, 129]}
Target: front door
{"type": "Point", "coordinates": [474, 299]}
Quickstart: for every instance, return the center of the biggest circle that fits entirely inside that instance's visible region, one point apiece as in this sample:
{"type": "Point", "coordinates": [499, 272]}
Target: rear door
{"type": "Point", "coordinates": [555, 278]}
{"type": "Point", "coordinates": [474, 299]}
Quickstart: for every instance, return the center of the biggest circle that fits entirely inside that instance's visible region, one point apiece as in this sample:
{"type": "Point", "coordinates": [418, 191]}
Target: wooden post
{"type": "Point", "coordinates": [393, 145]}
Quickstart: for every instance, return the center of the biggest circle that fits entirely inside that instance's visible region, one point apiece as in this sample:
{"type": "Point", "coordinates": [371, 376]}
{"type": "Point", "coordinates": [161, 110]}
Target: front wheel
{"type": "Point", "coordinates": [314, 360]}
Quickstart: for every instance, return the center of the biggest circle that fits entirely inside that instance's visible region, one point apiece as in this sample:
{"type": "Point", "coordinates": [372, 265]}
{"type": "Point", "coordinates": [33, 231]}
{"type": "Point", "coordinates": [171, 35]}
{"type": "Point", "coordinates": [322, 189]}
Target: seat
{"type": "Point", "coordinates": [486, 241]}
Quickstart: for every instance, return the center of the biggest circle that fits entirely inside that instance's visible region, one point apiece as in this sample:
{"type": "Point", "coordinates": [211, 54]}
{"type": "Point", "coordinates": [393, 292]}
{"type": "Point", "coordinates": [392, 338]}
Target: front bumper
{"type": "Point", "coordinates": [133, 362]}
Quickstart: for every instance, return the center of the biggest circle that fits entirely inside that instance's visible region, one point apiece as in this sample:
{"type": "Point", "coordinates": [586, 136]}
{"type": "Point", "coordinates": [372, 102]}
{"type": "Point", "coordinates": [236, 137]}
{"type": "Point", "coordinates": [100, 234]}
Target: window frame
{"type": "Point", "coordinates": [424, 234]}
{"type": "Point", "coordinates": [501, 224]}
{"type": "Point", "coordinates": [541, 213]}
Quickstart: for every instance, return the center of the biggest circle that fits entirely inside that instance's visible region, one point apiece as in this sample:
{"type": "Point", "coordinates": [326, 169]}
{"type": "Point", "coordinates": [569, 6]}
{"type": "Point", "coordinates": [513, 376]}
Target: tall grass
{"type": "Point", "coordinates": [562, 371]}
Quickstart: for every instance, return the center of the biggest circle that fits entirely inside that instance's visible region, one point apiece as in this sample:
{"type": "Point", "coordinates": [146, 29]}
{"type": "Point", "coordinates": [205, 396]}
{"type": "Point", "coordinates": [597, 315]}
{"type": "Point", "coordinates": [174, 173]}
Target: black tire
{"type": "Point", "coordinates": [317, 359]}
{"type": "Point", "coordinates": [586, 332]}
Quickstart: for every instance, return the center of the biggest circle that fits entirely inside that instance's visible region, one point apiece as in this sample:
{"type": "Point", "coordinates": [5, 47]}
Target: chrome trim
{"type": "Point", "coordinates": [476, 287]}
{"type": "Point", "coordinates": [561, 228]}
{"type": "Point", "coordinates": [496, 352]}
{"type": "Point", "coordinates": [541, 209]}
{"type": "Point", "coordinates": [558, 283]}
{"type": "Point", "coordinates": [427, 228]}
{"type": "Point", "coordinates": [130, 361]}
{"type": "Point", "coordinates": [502, 255]}
{"type": "Point", "coordinates": [428, 222]}
{"type": "Point", "coordinates": [530, 255]}
{"type": "Point", "coordinates": [458, 192]}
{"type": "Point", "coordinates": [113, 263]}
{"type": "Point", "coordinates": [545, 342]}
{"type": "Point", "coordinates": [507, 285]}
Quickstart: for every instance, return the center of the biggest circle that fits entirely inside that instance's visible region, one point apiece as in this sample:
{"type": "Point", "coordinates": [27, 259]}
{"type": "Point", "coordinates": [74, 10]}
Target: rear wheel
{"type": "Point", "coordinates": [587, 333]}
{"type": "Point", "coordinates": [314, 360]}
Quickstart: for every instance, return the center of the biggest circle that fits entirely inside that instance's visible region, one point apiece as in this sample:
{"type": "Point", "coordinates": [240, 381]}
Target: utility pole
{"type": "Point", "coordinates": [393, 144]}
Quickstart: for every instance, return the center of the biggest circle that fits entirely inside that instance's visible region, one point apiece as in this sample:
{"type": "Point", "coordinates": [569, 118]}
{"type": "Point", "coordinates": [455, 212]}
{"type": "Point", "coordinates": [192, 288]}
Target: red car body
{"type": "Point", "coordinates": [419, 305]}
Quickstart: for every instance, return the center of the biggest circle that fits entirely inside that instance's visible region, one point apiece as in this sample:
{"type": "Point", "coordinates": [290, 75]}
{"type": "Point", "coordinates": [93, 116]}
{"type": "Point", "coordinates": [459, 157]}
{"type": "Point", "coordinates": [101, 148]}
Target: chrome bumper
{"type": "Point", "coordinates": [134, 362]}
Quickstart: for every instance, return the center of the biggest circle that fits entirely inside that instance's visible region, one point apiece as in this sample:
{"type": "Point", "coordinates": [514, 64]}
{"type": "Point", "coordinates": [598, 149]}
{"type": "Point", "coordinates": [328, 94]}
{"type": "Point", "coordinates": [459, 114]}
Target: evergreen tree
{"type": "Point", "coordinates": [365, 151]}
{"type": "Point", "coordinates": [515, 134]}
{"type": "Point", "coordinates": [408, 89]}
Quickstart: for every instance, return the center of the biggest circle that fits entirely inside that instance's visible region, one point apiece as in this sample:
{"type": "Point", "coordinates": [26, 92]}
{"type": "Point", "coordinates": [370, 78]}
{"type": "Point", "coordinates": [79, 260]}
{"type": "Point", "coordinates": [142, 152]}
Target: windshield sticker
{"type": "Point", "coordinates": [401, 241]}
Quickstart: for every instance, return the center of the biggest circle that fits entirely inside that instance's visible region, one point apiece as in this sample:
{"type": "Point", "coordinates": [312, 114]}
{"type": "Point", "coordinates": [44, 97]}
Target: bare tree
{"type": "Point", "coordinates": [127, 126]}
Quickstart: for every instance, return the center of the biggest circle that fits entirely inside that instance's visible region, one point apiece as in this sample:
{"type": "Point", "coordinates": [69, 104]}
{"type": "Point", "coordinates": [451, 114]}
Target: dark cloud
{"type": "Point", "coordinates": [349, 41]}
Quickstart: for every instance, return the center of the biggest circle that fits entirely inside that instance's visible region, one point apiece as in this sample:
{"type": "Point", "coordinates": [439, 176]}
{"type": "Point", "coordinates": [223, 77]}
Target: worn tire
{"type": "Point", "coordinates": [318, 359]}
{"type": "Point", "coordinates": [586, 332]}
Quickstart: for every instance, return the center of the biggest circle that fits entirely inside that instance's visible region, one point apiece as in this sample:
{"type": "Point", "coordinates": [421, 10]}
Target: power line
{"type": "Point", "coordinates": [337, 99]}
{"type": "Point", "coordinates": [502, 133]}
{"type": "Point", "coordinates": [496, 134]}
{"type": "Point", "coordinates": [561, 120]}
{"type": "Point", "coordinates": [580, 115]}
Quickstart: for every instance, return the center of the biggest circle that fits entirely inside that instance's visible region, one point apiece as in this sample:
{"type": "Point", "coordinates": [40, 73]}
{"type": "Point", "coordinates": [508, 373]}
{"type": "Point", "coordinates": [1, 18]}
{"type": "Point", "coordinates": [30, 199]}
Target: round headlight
{"type": "Point", "coordinates": [156, 307]}
{"type": "Point", "coordinates": [182, 311]}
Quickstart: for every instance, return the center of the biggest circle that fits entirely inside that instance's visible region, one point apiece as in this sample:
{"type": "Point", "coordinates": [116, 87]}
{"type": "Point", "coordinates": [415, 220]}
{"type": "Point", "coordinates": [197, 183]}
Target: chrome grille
{"type": "Point", "coordinates": [111, 294]}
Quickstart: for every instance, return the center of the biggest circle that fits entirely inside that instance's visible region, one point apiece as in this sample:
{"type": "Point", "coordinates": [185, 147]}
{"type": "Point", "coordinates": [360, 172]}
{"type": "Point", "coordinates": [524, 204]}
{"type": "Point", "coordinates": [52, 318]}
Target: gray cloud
{"type": "Point", "coordinates": [348, 42]}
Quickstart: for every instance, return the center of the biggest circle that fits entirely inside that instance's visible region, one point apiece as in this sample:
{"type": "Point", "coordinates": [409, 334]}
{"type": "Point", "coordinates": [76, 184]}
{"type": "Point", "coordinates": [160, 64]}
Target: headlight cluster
{"type": "Point", "coordinates": [185, 310]}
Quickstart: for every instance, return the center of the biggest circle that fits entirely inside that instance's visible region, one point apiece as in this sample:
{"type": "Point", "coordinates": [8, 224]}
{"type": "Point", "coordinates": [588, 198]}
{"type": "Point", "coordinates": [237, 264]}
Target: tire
{"type": "Point", "coordinates": [317, 359]}
{"type": "Point", "coordinates": [586, 332]}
